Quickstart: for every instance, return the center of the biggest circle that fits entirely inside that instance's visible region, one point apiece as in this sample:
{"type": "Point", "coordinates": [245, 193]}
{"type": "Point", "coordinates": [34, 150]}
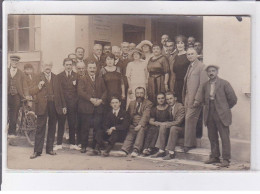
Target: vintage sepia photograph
{"type": "Point", "coordinates": [128, 92]}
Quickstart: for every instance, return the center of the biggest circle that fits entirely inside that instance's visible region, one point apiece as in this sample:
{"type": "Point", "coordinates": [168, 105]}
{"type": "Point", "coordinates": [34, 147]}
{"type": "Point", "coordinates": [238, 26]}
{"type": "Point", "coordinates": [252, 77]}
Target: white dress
{"type": "Point", "coordinates": [137, 74]}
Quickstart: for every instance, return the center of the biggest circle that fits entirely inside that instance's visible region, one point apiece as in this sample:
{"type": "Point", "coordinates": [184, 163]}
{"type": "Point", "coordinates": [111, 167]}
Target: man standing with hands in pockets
{"type": "Point", "coordinates": [49, 102]}
{"type": "Point", "coordinates": [218, 97]}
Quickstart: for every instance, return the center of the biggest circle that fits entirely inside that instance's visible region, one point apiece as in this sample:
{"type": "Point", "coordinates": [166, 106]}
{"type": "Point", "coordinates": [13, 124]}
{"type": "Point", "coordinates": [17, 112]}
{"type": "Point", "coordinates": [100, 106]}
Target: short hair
{"type": "Point", "coordinates": [67, 59]}
{"type": "Point", "coordinates": [115, 97]}
{"type": "Point", "coordinates": [160, 93]}
{"type": "Point", "coordinates": [156, 45]}
{"type": "Point", "coordinates": [116, 48]}
{"type": "Point", "coordinates": [170, 93]}
{"type": "Point", "coordinates": [108, 45]}
{"type": "Point", "coordinates": [124, 43]}
{"type": "Point", "coordinates": [165, 35]}
{"type": "Point", "coordinates": [170, 41]}
{"type": "Point", "coordinates": [139, 88]}
{"type": "Point", "coordinates": [97, 45]}
{"type": "Point", "coordinates": [80, 48]}
{"type": "Point", "coordinates": [110, 55]}
{"type": "Point", "coordinates": [71, 54]}
{"type": "Point", "coordinates": [182, 38]}
{"type": "Point", "coordinates": [28, 66]}
{"type": "Point", "coordinates": [191, 48]}
{"type": "Point", "coordinates": [91, 62]}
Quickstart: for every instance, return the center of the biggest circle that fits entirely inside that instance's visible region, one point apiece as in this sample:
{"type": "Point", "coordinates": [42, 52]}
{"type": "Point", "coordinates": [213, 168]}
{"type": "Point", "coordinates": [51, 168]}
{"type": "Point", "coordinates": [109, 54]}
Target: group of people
{"type": "Point", "coordinates": [148, 95]}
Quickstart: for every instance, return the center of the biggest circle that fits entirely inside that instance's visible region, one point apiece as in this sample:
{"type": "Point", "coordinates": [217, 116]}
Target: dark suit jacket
{"type": "Point", "coordinates": [41, 100]}
{"type": "Point", "coordinates": [30, 82]}
{"type": "Point", "coordinates": [225, 99]}
{"type": "Point", "coordinates": [121, 122]}
{"type": "Point", "coordinates": [21, 84]}
{"type": "Point", "coordinates": [98, 62]}
{"type": "Point", "coordinates": [88, 89]}
{"type": "Point", "coordinates": [69, 88]}
{"type": "Point", "coordinates": [144, 111]}
{"type": "Point", "coordinates": [178, 115]}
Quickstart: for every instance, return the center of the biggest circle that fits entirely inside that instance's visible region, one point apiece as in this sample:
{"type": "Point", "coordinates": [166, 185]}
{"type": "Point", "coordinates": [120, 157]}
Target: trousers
{"type": "Point", "coordinates": [41, 129]}
{"type": "Point", "coordinates": [173, 133]}
{"type": "Point", "coordinates": [14, 102]}
{"type": "Point", "coordinates": [87, 120]}
{"type": "Point", "coordinates": [191, 120]}
{"type": "Point", "coordinates": [134, 139]}
{"type": "Point", "coordinates": [72, 120]}
{"type": "Point", "coordinates": [215, 126]}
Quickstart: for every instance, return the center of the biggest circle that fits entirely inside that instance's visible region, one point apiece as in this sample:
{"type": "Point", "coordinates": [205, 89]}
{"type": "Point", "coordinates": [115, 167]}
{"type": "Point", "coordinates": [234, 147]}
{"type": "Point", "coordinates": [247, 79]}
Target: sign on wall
{"type": "Point", "coordinates": [102, 28]}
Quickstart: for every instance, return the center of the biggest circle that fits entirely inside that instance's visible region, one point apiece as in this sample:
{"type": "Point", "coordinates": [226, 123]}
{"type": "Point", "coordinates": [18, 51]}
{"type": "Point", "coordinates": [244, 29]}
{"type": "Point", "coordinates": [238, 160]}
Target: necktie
{"type": "Point", "coordinates": [93, 78]}
{"type": "Point", "coordinates": [138, 107]}
{"type": "Point", "coordinates": [115, 113]}
{"type": "Point", "coordinates": [69, 74]}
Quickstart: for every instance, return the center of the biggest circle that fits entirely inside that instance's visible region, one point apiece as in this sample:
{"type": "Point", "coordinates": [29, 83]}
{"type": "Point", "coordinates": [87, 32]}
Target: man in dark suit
{"type": "Point", "coordinates": [49, 102]}
{"type": "Point", "coordinates": [30, 78]}
{"type": "Point", "coordinates": [174, 128]}
{"type": "Point", "coordinates": [139, 111]}
{"type": "Point", "coordinates": [17, 91]}
{"type": "Point", "coordinates": [171, 54]}
{"type": "Point", "coordinates": [218, 97]}
{"type": "Point", "coordinates": [96, 57]}
{"type": "Point", "coordinates": [115, 126]}
{"type": "Point", "coordinates": [164, 39]}
{"type": "Point", "coordinates": [92, 96]}
{"type": "Point", "coordinates": [68, 82]}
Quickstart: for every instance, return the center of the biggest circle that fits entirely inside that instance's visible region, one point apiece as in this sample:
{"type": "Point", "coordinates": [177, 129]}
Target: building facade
{"type": "Point", "coordinates": [226, 43]}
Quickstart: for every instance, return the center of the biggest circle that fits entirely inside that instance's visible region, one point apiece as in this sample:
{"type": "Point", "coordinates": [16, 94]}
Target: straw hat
{"type": "Point", "coordinates": [142, 43]}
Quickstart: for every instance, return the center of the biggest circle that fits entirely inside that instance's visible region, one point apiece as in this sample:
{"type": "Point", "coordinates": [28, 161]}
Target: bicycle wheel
{"type": "Point", "coordinates": [30, 135]}
{"type": "Point", "coordinates": [31, 127]}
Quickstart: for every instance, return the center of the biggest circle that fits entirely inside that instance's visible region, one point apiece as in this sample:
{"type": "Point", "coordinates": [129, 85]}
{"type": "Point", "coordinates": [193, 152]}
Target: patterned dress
{"type": "Point", "coordinates": [157, 69]}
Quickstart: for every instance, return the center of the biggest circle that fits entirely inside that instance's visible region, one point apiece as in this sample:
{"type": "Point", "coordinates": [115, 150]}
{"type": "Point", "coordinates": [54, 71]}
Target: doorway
{"type": "Point", "coordinates": [133, 34]}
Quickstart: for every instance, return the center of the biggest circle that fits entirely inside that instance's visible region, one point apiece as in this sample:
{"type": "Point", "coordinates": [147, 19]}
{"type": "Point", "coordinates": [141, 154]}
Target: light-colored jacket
{"type": "Point", "coordinates": [193, 82]}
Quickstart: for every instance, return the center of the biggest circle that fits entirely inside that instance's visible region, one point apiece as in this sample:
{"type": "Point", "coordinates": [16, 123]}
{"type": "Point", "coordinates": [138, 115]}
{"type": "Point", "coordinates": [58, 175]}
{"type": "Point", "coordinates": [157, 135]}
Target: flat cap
{"type": "Point", "coordinates": [15, 58]}
{"type": "Point", "coordinates": [215, 66]}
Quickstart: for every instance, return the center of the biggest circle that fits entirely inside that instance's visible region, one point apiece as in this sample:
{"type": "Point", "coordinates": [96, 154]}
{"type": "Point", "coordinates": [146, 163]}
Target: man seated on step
{"type": "Point", "coordinates": [175, 129]}
{"type": "Point", "coordinates": [139, 112]}
{"type": "Point", "coordinates": [116, 125]}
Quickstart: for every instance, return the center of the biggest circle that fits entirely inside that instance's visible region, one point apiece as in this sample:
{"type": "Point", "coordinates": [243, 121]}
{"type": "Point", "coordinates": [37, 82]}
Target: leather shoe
{"type": "Point", "coordinates": [186, 149]}
{"type": "Point", "coordinates": [169, 156]}
{"type": "Point", "coordinates": [224, 163]}
{"type": "Point", "coordinates": [94, 153]}
{"type": "Point", "coordinates": [83, 150]}
{"type": "Point", "coordinates": [212, 161]}
{"type": "Point", "coordinates": [35, 155]}
{"type": "Point", "coordinates": [105, 154]}
{"type": "Point", "coordinates": [51, 153]}
{"type": "Point", "coordinates": [158, 154]}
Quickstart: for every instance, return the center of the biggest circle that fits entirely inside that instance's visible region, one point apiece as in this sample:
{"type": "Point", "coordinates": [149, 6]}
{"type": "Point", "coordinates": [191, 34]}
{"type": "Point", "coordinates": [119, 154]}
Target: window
{"type": "Point", "coordinates": [24, 33]}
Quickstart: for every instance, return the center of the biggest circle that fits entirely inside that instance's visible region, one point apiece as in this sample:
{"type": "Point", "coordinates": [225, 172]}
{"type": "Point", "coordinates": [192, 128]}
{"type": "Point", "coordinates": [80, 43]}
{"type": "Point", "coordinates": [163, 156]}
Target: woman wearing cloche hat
{"type": "Point", "coordinates": [136, 74]}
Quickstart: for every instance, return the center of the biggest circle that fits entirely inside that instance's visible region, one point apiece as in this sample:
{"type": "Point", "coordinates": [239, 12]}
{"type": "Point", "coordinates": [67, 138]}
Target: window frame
{"type": "Point", "coordinates": [32, 29]}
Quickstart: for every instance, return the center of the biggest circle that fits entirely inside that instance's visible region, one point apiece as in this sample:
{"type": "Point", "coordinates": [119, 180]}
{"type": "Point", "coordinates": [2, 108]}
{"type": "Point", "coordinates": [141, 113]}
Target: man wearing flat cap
{"type": "Point", "coordinates": [17, 90]}
{"type": "Point", "coordinates": [218, 97]}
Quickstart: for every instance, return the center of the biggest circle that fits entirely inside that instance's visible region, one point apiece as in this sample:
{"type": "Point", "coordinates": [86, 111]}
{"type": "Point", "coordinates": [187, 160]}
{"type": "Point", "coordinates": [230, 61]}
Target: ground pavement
{"type": "Point", "coordinates": [19, 153]}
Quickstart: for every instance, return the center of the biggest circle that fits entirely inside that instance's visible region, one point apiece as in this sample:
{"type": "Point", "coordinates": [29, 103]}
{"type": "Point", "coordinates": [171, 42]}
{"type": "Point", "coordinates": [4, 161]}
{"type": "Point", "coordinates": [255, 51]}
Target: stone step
{"type": "Point", "coordinates": [197, 154]}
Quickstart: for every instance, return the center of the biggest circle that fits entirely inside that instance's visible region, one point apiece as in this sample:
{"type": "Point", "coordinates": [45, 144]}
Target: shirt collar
{"type": "Point", "coordinates": [13, 69]}
{"type": "Point", "coordinates": [116, 111]}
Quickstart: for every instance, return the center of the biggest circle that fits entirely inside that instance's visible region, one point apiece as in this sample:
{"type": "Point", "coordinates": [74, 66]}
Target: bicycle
{"type": "Point", "coordinates": [28, 124]}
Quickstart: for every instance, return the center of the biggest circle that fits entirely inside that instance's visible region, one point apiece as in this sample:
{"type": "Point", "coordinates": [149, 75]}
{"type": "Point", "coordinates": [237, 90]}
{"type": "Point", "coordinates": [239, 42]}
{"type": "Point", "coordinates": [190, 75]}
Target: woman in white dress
{"type": "Point", "coordinates": [136, 73]}
{"type": "Point", "coordinates": [146, 47]}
